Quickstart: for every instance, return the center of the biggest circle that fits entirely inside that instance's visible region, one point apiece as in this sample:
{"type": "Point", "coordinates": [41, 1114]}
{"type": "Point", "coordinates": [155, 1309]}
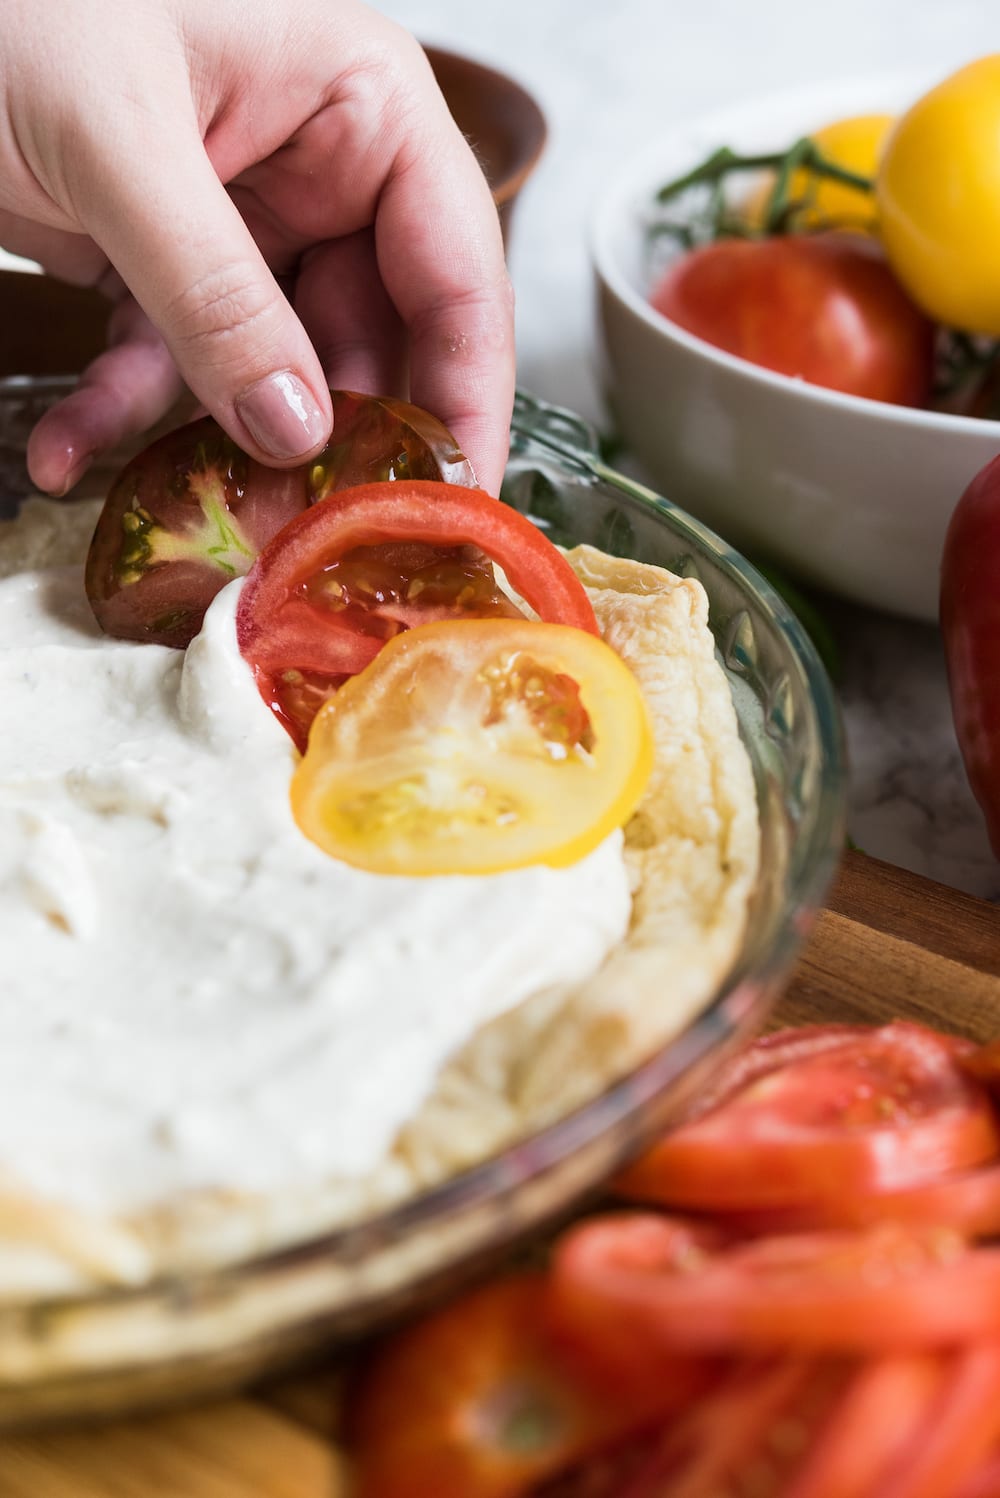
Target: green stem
{"type": "Point", "coordinates": [803, 154]}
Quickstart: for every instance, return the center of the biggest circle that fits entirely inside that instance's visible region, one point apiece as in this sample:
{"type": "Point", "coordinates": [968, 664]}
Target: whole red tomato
{"type": "Point", "coordinates": [824, 308]}
{"type": "Point", "coordinates": [970, 623]}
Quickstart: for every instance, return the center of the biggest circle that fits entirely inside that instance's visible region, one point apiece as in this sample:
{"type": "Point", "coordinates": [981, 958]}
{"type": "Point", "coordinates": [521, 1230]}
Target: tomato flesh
{"type": "Point", "coordinates": [325, 574]}
{"type": "Point", "coordinates": [475, 747]}
{"type": "Point", "coordinates": [191, 512]}
{"type": "Point", "coordinates": [479, 1401]}
{"type": "Point", "coordinates": [841, 1118]}
{"type": "Point", "coordinates": [824, 308]}
{"type": "Point", "coordinates": [890, 1288]}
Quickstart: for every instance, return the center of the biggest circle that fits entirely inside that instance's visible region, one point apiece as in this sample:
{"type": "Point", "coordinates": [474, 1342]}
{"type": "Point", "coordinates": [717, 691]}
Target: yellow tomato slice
{"type": "Point", "coordinates": [474, 746]}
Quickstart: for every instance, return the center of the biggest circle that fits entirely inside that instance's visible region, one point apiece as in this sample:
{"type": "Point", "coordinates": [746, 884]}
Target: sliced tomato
{"type": "Point", "coordinates": [983, 1481]}
{"type": "Point", "coordinates": [183, 518]}
{"type": "Point", "coordinates": [884, 1290]}
{"type": "Point", "coordinates": [961, 1428]}
{"type": "Point", "coordinates": [479, 1401]}
{"type": "Point", "coordinates": [377, 439]}
{"type": "Point", "coordinates": [308, 607]}
{"type": "Point", "coordinates": [884, 1407]}
{"type": "Point", "coordinates": [822, 1120]}
{"type": "Point", "coordinates": [474, 747]}
{"type": "Point", "coordinates": [747, 1435]}
{"type": "Point", "coordinates": [192, 511]}
{"type": "Point", "coordinates": [967, 1201]}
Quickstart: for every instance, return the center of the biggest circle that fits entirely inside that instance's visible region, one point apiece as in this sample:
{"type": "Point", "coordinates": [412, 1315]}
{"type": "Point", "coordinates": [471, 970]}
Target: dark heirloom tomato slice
{"type": "Point", "coordinates": [888, 1289]}
{"type": "Point", "coordinates": [376, 438]}
{"type": "Point", "coordinates": [349, 574]}
{"type": "Point", "coordinates": [182, 519]}
{"type": "Point", "coordinates": [192, 511]}
{"type": "Point", "coordinates": [824, 1119]}
{"type": "Point", "coordinates": [478, 1400]}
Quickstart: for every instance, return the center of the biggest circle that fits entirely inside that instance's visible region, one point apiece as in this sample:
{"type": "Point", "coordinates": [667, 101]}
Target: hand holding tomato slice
{"type": "Point", "coordinates": [474, 747]}
{"type": "Point", "coordinates": [191, 512]}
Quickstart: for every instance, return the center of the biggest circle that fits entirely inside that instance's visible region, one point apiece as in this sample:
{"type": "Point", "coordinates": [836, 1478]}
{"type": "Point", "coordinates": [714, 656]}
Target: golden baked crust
{"type": "Point", "coordinates": [691, 850]}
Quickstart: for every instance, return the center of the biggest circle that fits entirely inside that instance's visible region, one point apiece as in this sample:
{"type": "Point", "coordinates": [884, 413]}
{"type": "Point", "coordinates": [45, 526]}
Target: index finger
{"type": "Point", "coordinates": [441, 258]}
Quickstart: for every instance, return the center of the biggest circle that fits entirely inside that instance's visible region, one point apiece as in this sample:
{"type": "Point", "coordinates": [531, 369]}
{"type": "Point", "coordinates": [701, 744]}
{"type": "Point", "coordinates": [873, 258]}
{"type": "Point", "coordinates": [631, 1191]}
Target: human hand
{"type": "Point", "coordinates": [348, 182]}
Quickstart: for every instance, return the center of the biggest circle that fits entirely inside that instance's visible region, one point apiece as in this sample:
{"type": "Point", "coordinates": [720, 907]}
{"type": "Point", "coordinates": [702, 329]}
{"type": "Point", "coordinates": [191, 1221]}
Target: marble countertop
{"type": "Point", "coordinates": [609, 77]}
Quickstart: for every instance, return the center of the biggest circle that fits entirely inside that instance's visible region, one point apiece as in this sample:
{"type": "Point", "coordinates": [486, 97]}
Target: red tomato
{"type": "Point", "coordinates": [824, 308]}
{"type": "Point", "coordinates": [984, 1482]}
{"type": "Point", "coordinates": [191, 511]}
{"type": "Point", "coordinates": [970, 626]}
{"type": "Point", "coordinates": [884, 1408]}
{"type": "Point", "coordinates": [967, 1201]}
{"type": "Point", "coordinates": [884, 1290]}
{"type": "Point", "coordinates": [305, 617]}
{"type": "Point", "coordinates": [823, 1117]}
{"type": "Point", "coordinates": [962, 1426]}
{"type": "Point", "coordinates": [747, 1435]}
{"type": "Point", "coordinates": [479, 1401]}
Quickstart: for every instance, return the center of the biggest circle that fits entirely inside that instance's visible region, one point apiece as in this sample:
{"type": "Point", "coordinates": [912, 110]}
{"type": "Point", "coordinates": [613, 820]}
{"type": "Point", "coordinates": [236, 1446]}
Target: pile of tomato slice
{"type": "Point", "coordinates": [799, 1298]}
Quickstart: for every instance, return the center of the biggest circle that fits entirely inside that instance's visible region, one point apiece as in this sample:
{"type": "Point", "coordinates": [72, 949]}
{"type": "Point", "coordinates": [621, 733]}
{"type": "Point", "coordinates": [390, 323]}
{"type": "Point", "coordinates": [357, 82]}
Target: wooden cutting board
{"type": "Point", "coordinates": [888, 944]}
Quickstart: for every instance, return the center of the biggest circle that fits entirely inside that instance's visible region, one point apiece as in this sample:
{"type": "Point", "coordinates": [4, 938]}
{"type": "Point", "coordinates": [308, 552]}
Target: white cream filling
{"type": "Point", "coordinates": [191, 994]}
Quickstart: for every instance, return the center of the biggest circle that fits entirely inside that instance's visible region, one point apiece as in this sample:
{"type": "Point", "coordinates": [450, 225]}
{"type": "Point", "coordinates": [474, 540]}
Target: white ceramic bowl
{"type": "Point", "coordinates": [851, 494]}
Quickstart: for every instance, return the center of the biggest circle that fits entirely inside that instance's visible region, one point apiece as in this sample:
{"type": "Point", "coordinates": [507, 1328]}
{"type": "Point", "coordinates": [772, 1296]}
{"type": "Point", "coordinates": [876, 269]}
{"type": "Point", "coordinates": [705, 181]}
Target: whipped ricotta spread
{"type": "Point", "coordinates": [192, 995]}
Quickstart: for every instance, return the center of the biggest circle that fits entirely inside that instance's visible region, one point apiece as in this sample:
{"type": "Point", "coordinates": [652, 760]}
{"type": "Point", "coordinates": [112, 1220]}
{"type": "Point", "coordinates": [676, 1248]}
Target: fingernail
{"type": "Point", "coordinates": [281, 415]}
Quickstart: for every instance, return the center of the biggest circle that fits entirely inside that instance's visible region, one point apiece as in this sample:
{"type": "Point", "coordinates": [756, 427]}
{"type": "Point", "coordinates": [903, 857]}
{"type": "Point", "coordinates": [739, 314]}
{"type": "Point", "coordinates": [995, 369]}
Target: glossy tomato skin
{"type": "Point", "coordinates": [970, 626]}
{"type": "Point", "coordinates": [824, 308]}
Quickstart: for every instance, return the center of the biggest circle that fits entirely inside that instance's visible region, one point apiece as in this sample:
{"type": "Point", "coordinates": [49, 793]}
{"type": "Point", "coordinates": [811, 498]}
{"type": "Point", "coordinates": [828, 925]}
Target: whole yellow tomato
{"type": "Point", "coordinates": [855, 144]}
{"type": "Point", "coordinates": [938, 195]}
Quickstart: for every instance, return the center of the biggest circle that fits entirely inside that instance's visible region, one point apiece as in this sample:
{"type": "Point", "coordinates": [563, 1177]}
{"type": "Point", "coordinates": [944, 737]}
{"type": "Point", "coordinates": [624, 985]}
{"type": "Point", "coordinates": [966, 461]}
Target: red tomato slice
{"type": "Point", "coordinates": [882, 1110]}
{"type": "Point", "coordinates": [984, 1482]}
{"type": "Point", "coordinates": [967, 1202]}
{"type": "Point", "coordinates": [479, 1400]}
{"type": "Point", "coordinates": [746, 1436]}
{"type": "Point", "coordinates": [884, 1407]}
{"type": "Point", "coordinates": [962, 1427]}
{"type": "Point", "coordinates": [888, 1289]}
{"type": "Point", "coordinates": [307, 579]}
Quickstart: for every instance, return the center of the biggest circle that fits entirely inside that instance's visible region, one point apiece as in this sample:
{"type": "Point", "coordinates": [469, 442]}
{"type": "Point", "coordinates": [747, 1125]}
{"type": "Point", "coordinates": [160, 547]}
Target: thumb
{"type": "Point", "coordinates": [172, 232]}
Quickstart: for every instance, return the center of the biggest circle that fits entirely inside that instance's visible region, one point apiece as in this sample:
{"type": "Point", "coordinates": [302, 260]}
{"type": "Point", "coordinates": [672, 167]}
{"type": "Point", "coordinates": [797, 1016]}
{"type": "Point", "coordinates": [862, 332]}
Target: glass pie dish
{"type": "Point", "coordinates": [199, 1332]}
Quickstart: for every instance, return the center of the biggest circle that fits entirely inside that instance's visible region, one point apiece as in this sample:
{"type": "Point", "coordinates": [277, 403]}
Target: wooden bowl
{"type": "Point", "coordinates": [499, 119]}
